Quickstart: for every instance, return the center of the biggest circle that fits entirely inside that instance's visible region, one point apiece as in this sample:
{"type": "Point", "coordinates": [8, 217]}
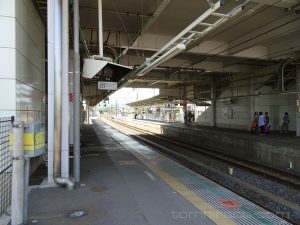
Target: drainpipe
{"type": "Point", "coordinates": [100, 31]}
{"type": "Point", "coordinates": [50, 62]}
{"type": "Point", "coordinates": [65, 90]}
{"type": "Point", "coordinates": [58, 100]}
{"type": "Point", "coordinates": [76, 84]}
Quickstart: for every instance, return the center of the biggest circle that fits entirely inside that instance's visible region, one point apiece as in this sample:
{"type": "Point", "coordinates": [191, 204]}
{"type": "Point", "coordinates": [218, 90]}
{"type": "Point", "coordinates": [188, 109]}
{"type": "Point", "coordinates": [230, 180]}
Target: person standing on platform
{"type": "Point", "coordinates": [189, 118]}
{"type": "Point", "coordinates": [261, 123]}
{"type": "Point", "coordinates": [267, 123]}
{"type": "Point", "coordinates": [254, 124]}
{"type": "Point", "coordinates": [285, 123]}
{"type": "Point", "coordinates": [185, 118]}
{"type": "Point", "coordinates": [193, 117]}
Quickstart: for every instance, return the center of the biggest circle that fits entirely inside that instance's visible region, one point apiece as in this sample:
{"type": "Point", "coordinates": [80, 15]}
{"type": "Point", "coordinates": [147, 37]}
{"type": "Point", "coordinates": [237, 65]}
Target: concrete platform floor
{"type": "Point", "coordinates": [116, 189]}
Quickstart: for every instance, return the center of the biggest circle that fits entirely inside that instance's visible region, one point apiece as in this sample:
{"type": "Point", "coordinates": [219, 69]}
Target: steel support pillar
{"type": "Point", "coordinates": [298, 98]}
{"type": "Point", "coordinates": [184, 107]}
{"type": "Point", "coordinates": [76, 85]}
{"type": "Point", "coordinates": [213, 103]}
{"type": "Point", "coordinates": [88, 112]}
{"type": "Point", "coordinates": [252, 103]}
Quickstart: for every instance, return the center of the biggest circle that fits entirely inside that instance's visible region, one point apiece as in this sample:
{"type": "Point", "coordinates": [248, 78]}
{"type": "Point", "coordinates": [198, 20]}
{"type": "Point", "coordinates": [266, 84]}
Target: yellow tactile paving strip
{"type": "Point", "coordinates": [211, 212]}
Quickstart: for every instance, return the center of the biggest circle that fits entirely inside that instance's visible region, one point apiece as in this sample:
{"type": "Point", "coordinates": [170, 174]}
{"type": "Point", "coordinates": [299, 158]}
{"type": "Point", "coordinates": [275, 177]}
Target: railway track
{"type": "Point", "coordinates": [281, 176]}
{"type": "Point", "coordinates": [272, 189]}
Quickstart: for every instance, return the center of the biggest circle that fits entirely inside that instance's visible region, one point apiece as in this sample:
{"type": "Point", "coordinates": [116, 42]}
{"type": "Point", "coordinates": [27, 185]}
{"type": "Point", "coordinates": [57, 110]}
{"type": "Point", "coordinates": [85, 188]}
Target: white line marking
{"type": "Point", "coordinates": [150, 175]}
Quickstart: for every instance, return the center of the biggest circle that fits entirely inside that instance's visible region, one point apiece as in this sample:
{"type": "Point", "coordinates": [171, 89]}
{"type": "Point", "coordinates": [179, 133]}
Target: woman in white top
{"type": "Point", "coordinates": [261, 123]}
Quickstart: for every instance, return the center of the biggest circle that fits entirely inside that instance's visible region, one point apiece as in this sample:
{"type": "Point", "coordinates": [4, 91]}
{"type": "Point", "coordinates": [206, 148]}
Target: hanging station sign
{"type": "Point", "coordinates": [104, 85]}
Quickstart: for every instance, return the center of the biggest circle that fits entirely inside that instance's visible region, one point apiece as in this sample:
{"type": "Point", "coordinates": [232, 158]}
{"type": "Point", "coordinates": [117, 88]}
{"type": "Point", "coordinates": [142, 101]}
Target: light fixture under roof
{"type": "Point", "coordinates": [188, 36]}
{"type": "Point", "coordinates": [98, 67]}
{"type": "Point", "coordinates": [165, 57]}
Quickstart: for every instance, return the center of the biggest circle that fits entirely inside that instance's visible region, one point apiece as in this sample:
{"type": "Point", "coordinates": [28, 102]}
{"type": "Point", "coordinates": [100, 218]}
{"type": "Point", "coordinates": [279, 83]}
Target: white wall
{"type": "Point", "coordinates": [240, 107]}
{"type": "Point", "coordinates": [22, 53]}
{"type": "Point", "coordinates": [286, 103]}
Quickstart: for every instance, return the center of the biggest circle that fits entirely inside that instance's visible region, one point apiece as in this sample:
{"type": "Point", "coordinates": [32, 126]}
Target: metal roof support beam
{"type": "Point", "coordinates": [164, 54]}
{"type": "Point", "coordinates": [277, 28]}
{"type": "Point", "coordinates": [192, 25]}
{"type": "Point", "coordinates": [168, 55]}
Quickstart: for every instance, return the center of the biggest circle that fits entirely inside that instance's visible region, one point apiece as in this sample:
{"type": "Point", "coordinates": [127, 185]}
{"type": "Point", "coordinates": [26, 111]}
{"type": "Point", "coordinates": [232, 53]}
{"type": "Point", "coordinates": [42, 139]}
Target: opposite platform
{"type": "Point", "coordinates": [280, 152]}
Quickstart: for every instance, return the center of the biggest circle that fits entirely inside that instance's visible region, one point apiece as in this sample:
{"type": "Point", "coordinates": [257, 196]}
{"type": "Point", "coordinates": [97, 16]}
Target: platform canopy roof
{"type": "Point", "coordinates": [161, 100]}
{"type": "Point", "coordinates": [174, 43]}
{"type": "Point", "coordinates": [156, 100]}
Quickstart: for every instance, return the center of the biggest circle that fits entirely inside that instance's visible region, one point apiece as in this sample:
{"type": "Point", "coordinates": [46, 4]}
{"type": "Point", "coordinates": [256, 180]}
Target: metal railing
{"type": "Point", "coordinates": [5, 164]}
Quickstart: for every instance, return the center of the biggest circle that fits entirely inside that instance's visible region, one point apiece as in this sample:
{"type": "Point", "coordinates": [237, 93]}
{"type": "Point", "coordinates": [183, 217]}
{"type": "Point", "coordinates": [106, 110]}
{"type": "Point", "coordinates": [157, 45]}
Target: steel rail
{"type": "Point", "coordinates": [279, 175]}
{"type": "Point", "coordinates": [191, 164]}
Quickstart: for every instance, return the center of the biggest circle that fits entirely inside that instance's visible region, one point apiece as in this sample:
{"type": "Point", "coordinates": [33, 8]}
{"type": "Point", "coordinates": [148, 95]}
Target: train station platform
{"type": "Point", "coordinates": [274, 136]}
{"type": "Point", "coordinates": [275, 150]}
{"type": "Point", "coordinates": [126, 183]}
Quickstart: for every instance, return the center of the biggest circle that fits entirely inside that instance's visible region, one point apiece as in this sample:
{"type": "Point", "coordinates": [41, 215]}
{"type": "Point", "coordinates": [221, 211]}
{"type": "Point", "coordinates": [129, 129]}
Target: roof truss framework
{"type": "Point", "coordinates": [253, 38]}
